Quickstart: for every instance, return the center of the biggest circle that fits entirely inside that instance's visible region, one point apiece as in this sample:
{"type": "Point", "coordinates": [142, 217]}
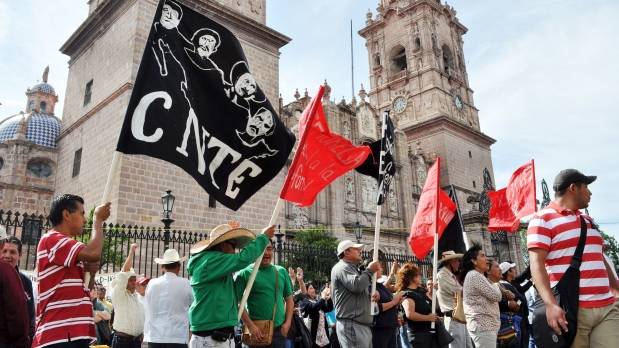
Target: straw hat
{"type": "Point", "coordinates": [449, 255]}
{"type": "Point", "coordinates": [170, 256]}
{"type": "Point", "coordinates": [237, 235]}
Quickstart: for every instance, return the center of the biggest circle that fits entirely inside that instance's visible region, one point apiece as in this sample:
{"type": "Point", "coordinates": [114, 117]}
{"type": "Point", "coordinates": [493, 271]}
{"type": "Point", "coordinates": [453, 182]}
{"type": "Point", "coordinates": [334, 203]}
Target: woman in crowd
{"type": "Point", "coordinates": [314, 309]}
{"type": "Point", "coordinates": [417, 306]}
{"type": "Point", "coordinates": [481, 299]}
{"type": "Point", "coordinates": [385, 329]}
{"type": "Point", "coordinates": [518, 285]}
{"type": "Point", "coordinates": [506, 337]}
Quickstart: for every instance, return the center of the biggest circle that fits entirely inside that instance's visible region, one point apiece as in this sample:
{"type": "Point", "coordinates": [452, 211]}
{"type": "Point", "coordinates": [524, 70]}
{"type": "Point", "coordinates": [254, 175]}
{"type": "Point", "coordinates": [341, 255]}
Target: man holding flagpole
{"type": "Point", "coordinates": [351, 296]}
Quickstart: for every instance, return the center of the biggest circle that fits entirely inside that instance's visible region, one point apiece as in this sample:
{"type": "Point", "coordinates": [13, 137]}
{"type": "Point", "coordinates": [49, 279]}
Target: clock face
{"type": "Point", "coordinates": [458, 102]}
{"type": "Point", "coordinates": [399, 104]}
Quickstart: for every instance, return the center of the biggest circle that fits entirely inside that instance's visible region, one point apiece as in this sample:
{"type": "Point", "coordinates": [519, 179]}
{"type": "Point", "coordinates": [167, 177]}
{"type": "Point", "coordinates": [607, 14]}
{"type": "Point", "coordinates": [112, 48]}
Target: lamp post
{"type": "Point", "coordinates": [358, 230]}
{"type": "Point", "coordinates": [167, 201]}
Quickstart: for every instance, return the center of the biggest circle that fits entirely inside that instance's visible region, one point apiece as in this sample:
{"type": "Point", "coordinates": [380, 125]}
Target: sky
{"type": "Point", "coordinates": [544, 73]}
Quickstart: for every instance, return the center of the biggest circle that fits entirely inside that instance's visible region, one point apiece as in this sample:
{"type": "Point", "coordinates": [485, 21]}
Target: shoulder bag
{"type": "Point", "coordinates": [265, 326]}
{"type": "Point", "coordinates": [458, 311]}
{"type": "Point", "coordinates": [566, 295]}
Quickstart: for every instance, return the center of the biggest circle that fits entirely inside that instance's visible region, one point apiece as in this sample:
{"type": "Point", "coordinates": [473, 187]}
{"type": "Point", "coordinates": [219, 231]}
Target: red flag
{"type": "Point", "coordinates": [431, 207]}
{"type": "Point", "coordinates": [321, 157]}
{"type": "Point", "coordinates": [501, 217]}
{"type": "Point", "coordinates": [520, 191]}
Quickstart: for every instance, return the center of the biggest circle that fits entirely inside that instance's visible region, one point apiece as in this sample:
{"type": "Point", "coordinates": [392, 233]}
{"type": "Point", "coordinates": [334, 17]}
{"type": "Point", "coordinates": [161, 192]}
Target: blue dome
{"type": "Point", "coordinates": [42, 129]}
{"type": "Point", "coordinates": [43, 87]}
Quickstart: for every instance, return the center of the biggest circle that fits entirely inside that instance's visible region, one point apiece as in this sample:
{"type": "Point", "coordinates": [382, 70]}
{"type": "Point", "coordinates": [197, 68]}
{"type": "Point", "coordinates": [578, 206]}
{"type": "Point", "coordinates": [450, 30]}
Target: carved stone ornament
{"type": "Point", "coordinates": [300, 217]}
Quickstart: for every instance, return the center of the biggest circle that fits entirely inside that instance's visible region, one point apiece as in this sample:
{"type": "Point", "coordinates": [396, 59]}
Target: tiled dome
{"type": "Point", "coordinates": [43, 87]}
{"type": "Point", "coordinates": [42, 129]}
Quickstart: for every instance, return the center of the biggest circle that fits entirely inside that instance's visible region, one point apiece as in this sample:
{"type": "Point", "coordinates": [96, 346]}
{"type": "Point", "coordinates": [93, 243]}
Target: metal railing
{"type": "Point", "coordinates": [316, 260]}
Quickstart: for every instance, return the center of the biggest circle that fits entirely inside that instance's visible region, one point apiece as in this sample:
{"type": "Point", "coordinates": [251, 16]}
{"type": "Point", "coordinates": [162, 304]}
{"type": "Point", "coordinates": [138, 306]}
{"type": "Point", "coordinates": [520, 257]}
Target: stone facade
{"type": "Point", "coordinates": [418, 72]}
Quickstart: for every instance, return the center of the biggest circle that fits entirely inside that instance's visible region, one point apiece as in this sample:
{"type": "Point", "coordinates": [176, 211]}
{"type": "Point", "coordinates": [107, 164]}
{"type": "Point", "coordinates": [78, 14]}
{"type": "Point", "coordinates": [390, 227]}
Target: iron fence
{"type": "Point", "coordinates": [316, 261]}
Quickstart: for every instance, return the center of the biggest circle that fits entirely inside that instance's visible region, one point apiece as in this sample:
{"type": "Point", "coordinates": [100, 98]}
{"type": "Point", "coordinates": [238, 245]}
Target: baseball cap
{"type": "Point", "coordinates": [345, 244]}
{"type": "Point", "coordinates": [506, 266]}
{"type": "Point", "coordinates": [566, 177]}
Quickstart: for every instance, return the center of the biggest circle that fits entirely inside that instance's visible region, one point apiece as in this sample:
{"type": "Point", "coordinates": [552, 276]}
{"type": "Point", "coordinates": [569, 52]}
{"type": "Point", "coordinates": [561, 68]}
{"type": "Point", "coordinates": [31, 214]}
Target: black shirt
{"type": "Point", "coordinates": [388, 318]}
{"type": "Point", "coordinates": [423, 305]}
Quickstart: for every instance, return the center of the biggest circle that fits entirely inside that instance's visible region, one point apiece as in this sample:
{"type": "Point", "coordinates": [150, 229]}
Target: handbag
{"type": "Point", "coordinates": [458, 311]}
{"type": "Point", "coordinates": [442, 338]}
{"type": "Point", "coordinates": [566, 295]}
{"type": "Point", "coordinates": [265, 326]}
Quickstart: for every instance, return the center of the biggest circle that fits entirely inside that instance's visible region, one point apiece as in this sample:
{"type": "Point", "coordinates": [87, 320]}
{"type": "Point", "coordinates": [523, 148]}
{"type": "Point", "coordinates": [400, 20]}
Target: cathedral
{"type": "Point", "coordinates": [417, 72]}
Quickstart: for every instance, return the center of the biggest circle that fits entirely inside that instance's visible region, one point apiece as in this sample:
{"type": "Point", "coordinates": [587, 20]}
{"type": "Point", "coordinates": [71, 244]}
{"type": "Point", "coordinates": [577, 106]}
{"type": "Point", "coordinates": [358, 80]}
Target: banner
{"type": "Point", "coordinates": [321, 157]}
{"type": "Point", "coordinates": [453, 236]}
{"type": "Point", "coordinates": [520, 191]}
{"type": "Point", "coordinates": [501, 217]}
{"type": "Point", "coordinates": [196, 104]}
{"type": "Point", "coordinates": [380, 164]}
{"type": "Point", "coordinates": [421, 238]}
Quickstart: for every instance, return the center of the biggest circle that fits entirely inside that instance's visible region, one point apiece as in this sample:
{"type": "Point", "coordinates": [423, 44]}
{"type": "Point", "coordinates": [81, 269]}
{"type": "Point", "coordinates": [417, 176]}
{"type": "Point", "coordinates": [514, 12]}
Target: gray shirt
{"type": "Point", "coordinates": [351, 293]}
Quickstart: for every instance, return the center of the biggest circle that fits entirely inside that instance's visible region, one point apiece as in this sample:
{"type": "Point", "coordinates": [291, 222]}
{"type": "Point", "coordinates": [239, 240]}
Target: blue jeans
{"type": "Point", "coordinates": [403, 334]}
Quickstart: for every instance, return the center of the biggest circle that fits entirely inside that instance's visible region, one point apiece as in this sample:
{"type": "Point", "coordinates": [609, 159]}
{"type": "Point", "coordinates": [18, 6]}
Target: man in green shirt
{"type": "Point", "coordinates": [213, 313]}
{"type": "Point", "coordinates": [268, 294]}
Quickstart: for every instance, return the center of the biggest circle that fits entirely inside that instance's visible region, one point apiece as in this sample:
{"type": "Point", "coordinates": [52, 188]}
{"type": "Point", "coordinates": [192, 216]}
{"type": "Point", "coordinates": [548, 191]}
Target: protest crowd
{"type": "Point", "coordinates": [480, 302]}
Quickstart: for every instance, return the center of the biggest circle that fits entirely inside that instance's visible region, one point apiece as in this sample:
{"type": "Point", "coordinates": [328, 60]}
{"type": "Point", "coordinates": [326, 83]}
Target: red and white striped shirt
{"type": "Point", "coordinates": [64, 310]}
{"type": "Point", "coordinates": [557, 231]}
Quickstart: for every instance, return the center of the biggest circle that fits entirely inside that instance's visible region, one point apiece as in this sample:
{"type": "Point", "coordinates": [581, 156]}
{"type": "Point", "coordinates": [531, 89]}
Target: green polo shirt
{"type": "Point", "coordinates": [261, 298]}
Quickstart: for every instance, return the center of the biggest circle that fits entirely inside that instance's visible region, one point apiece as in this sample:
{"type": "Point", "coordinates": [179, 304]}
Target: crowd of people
{"type": "Point", "coordinates": [480, 302]}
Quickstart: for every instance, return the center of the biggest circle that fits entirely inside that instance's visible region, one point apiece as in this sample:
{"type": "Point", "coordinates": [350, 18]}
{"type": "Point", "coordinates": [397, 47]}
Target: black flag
{"type": "Point", "coordinates": [195, 104]}
{"type": "Point", "coordinates": [380, 164]}
{"type": "Point", "coordinates": [453, 238]}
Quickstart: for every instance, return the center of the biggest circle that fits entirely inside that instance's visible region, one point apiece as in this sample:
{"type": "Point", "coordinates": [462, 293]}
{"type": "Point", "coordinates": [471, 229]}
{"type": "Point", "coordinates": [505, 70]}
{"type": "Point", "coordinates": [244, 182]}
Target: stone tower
{"type": "Point", "coordinates": [105, 52]}
{"type": "Point", "coordinates": [418, 72]}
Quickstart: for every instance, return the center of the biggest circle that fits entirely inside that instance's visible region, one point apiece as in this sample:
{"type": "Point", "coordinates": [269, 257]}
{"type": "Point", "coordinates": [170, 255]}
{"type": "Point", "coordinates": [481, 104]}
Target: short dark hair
{"type": "Point", "coordinates": [62, 203]}
{"type": "Point", "coordinates": [13, 240]}
{"type": "Point", "coordinates": [171, 266]}
{"type": "Point", "coordinates": [563, 191]}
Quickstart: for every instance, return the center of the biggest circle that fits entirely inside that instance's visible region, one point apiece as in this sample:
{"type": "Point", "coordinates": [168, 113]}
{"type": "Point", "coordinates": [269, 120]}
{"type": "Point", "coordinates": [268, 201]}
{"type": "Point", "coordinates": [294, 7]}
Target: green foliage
{"type": "Point", "coordinates": [112, 247]}
{"type": "Point", "coordinates": [314, 251]}
{"type": "Point", "coordinates": [613, 249]}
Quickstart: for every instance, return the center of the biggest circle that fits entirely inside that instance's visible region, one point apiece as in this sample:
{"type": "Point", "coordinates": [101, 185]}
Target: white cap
{"type": "Point", "coordinates": [345, 244]}
{"type": "Point", "coordinates": [506, 266]}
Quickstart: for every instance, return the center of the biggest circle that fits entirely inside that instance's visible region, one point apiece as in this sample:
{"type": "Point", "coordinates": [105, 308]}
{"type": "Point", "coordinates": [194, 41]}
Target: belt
{"type": "Point", "coordinates": [224, 331]}
{"type": "Point", "coordinates": [124, 335]}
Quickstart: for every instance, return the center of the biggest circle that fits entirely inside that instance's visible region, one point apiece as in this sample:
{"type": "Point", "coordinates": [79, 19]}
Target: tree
{"type": "Point", "coordinates": [112, 249]}
{"type": "Point", "coordinates": [313, 250]}
{"type": "Point", "coordinates": [613, 249]}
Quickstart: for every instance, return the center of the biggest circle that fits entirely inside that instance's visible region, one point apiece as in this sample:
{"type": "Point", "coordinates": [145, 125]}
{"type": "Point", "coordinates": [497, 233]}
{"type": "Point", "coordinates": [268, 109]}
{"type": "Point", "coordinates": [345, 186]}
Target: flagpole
{"type": "Point", "coordinates": [435, 253]}
{"type": "Point", "coordinates": [250, 282]}
{"type": "Point", "coordinates": [534, 185]}
{"type": "Point", "coordinates": [381, 188]}
{"type": "Point", "coordinates": [106, 197]}
{"type": "Point", "coordinates": [374, 305]}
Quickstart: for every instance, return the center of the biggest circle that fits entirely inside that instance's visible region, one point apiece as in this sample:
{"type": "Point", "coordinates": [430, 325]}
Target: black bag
{"type": "Point", "coordinates": [303, 337]}
{"type": "Point", "coordinates": [442, 338]}
{"type": "Point", "coordinates": [566, 293]}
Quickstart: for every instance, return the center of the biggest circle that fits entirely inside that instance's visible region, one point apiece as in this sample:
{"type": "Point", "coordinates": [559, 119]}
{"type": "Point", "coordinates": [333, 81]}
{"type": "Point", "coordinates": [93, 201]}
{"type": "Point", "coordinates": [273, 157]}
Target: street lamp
{"type": "Point", "coordinates": [358, 230]}
{"type": "Point", "coordinates": [167, 201]}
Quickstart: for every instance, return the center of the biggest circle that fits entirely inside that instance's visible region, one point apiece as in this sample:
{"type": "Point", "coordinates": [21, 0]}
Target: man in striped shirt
{"type": "Point", "coordinates": [64, 311]}
{"type": "Point", "coordinates": [552, 238]}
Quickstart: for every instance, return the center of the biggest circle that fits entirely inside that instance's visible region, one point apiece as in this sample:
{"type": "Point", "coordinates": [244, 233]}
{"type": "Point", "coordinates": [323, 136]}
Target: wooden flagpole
{"type": "Point", "coordinates": [106, 196]}
{"type": "Point", "coordinates": [250, 282]}
{"type": "Point", "coordinates": [435, 253]}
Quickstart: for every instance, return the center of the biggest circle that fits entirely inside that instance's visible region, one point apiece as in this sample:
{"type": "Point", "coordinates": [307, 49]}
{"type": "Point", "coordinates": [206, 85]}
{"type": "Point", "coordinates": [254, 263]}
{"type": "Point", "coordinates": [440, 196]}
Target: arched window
{"type": "Point", "coordinates": [1, 163]}
{"type": "Point", "coordinates": [30, 106]}
{"type": "Point", "coordinates": [376, 59]}
{"type": "Point", "coordinates": [43, 107]}
{"type": "Point", "coordinates": [417, 44]}
{"type": "Point", "coordinates": [398, 59]}
{"type": "Point", "coordinates": [39, 168]}
{"type": "Point", "coordinates": [448, 60]}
